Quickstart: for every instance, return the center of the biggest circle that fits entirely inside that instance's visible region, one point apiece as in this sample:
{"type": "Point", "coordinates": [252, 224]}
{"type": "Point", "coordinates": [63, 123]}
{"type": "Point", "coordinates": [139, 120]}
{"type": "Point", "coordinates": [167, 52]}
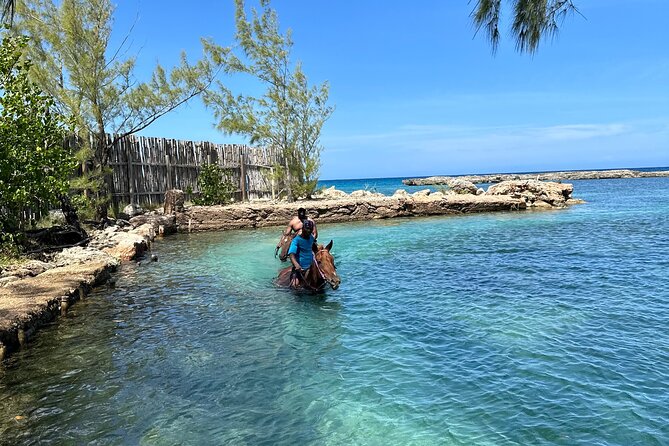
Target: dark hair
{"type": "Point", "coordinates": [302, 212]}
{"type": "Point", "coordinates": [308, 224]}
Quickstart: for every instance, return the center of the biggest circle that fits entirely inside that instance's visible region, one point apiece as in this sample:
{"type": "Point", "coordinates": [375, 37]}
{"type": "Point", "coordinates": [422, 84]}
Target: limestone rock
{"type": "Point", "coordinates": [82, 255]}
{"type": "Point", "coordinates": [27, 269]}
{"type": "Point", "coordinates": [534, 192]}
{"type": "Point", "coordinates": [174, 201]}
{"type": "Point", "coordinates": [460, 186]}
{"type": "Point", "coordinates": [4, 281]}
{"type": "Point", "coordinates": [162, 224]}
{"type": "Point", "coordinates": [127, 246]}
{"type": "Point", "coordinates": [364, 194]}
{"type": "Point", "coordinates": [330, 194]}
{"type": "Point", "coordinates": [132, 210]}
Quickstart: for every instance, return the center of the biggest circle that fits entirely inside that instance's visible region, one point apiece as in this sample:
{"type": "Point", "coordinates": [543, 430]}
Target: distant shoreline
{"type": "Point", "coordinates": [544, 176]}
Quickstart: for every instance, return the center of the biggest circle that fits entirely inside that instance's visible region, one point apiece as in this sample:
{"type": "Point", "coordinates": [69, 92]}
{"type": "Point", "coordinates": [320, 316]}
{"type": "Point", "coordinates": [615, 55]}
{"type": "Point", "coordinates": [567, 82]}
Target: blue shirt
{"type": "Point", "coordinates": [301, 247]}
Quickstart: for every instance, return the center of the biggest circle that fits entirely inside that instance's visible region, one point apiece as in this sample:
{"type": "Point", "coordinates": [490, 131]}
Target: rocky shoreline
{"type": "Point", "coordinates": [547, 176]}
{"type": "Point", "coordinates": [37, 292]}
{"type": "Point", "coordinates": [334, 206]}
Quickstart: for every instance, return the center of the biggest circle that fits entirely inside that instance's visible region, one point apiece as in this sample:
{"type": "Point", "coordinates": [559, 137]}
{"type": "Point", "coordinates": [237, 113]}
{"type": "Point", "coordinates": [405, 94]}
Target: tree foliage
{"type": "Point", "coordinates": [34, 166]}
{"type": "Point", "coordinates": [290, 113]}
{"type": "Point", "coordinates": [95, 84]}
{"type": "Point", "coordinates": [532, 20]}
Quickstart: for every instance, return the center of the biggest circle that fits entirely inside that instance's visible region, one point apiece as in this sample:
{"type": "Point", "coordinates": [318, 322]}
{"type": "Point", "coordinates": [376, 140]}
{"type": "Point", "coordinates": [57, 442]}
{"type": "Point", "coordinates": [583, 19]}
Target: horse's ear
{"type": "Point", "coordinates": [314, 247]}
{"type": "Point", "coordinates": [329, 246]}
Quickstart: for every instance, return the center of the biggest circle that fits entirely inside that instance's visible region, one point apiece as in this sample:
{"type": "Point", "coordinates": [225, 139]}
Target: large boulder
{"type": "Point", "coordinates": [460, 186]}
{"type": "Point", "coordinates": [174, 201]}
{"type": "Point", "coordinates": [161, 224]}
{"type": "Point", "coordinates": [535, 193]}
{"type": "Point", "coordinates": [132, 210]}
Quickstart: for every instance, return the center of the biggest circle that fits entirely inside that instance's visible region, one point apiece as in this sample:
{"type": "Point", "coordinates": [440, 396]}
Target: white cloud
{"type": "Point", "coordinates": [429, 134]}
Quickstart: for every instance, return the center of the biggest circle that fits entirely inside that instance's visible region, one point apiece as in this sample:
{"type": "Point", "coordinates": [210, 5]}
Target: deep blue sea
{"type": "Point", "coordinates": [520, 328]}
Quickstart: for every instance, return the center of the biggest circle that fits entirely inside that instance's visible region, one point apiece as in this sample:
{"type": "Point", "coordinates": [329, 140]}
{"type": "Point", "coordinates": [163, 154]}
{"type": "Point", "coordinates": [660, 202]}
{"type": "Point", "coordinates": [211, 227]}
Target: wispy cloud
{"type": "Point", "coordinates": [415, 133]}
{"type": "Point", "coordinates": [580, 131]}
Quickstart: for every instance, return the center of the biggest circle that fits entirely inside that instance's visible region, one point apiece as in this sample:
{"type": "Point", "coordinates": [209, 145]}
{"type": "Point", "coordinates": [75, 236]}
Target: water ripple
{"type": "Point", "coordinates": [525, 328]}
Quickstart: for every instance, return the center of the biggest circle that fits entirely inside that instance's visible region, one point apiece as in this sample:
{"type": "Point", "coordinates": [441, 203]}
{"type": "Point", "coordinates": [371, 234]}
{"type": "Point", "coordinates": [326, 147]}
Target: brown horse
{"type": "Point", "coordinates": [321, 272]}
{"type": "Point", "coordinates": [283, 245]}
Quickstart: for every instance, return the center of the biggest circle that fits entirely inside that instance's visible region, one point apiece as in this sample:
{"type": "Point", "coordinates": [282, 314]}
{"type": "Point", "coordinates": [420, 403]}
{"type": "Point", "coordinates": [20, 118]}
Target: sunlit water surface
{"type": "Point", "coordinates": [507, 328]}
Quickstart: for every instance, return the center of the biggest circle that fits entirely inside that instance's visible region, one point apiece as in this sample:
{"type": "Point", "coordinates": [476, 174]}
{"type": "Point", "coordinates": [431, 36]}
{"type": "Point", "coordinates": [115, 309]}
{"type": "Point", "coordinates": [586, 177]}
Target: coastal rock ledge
{"type": "Point", "coordinates": [362, 205]}
{"type": "Point", "coordinates": [545, 176]}
{"type": "Point", "coordinates": [37, 292]}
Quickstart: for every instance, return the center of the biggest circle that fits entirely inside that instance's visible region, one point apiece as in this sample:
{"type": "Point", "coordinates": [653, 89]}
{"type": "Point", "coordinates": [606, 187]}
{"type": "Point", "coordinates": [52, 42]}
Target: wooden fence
{"type": "Point", "coordinates": [144, 168]}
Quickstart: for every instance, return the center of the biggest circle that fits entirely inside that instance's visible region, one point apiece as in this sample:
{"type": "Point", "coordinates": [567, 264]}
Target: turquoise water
{"type": "Point", "coordinates": [388, 186]}
{"type": "Point", "coordinates": [496, 329]}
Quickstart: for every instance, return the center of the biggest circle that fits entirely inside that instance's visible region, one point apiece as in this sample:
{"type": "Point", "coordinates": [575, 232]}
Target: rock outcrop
{"type": "Point", "coordinates": [460, 186]}
{"type": "Point", "coordinates": [34, 293]}
{"type": "Point", "coordinates": [534, 193]}
{"type": "Point", "coordinates": [352, 208]}
{"type": "Point", "coordinates": [546, 176]}
{"type": "Point", "coordinates": [174, 201]}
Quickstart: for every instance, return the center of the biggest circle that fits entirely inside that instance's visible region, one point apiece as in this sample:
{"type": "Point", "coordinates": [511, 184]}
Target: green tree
{"type": "Point", "coordinates": [95, 84]}
{"type": "Point", "coordinates": [34, 166]}
{"type": "Point", "coordinates": [289, 114]}
{"type": "Point", "coordinates": [532, 20]}
{"type": "Point", "coordinates": [215, 186]}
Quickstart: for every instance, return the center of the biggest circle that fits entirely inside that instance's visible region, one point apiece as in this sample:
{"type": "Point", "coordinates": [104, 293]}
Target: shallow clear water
{"type": "Point", "coordinates": [509, 328]}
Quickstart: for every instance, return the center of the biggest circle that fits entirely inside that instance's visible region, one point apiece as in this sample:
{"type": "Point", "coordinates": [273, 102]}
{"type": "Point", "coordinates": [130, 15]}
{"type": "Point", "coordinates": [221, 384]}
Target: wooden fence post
{"type": "Point", "coordinates": [242, 173]}
{"type": "Point", "coordinates": [169, 172]}
{"type": "Point", "coordinates": [131, 178]}
{"type": "Point", "coordinates": [271, 180]}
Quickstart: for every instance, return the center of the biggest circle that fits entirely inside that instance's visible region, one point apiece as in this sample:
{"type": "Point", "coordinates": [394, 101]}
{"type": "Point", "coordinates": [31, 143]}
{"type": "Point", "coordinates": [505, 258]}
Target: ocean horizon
{"type": "Point", "coordinates": [642, 169]}
{"type": "Point", "coordinates": [388, 186]}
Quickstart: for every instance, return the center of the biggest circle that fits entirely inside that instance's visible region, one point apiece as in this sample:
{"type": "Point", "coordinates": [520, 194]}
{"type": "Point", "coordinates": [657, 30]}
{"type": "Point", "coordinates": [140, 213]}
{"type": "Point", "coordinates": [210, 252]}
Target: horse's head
{"type": "Point", "coordinates": [326, 265]}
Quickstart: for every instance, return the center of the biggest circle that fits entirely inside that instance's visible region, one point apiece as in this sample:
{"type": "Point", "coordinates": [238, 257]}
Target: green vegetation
{"type": "Point", "coordinates": [289, 115]}
{"type": "Point", "coordinates": [215, 185]}
{"type": "Point", "coordinates": [95, 86]}
{"type": "Point", "coordinates": [34, 166]}
{"type": "Point", "coordinates": [532, 20]}
{"type": "Point", "coordinates": [76, 77]}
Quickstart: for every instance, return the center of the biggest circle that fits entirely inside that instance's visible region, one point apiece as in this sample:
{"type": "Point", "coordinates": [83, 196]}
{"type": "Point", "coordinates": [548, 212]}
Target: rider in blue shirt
{"type": "Point", "coordinates": [300, 252]}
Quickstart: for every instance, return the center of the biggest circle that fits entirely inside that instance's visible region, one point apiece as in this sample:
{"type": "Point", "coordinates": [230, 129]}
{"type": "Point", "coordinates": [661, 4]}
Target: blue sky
{"type": "Point", "coordinates": [417, 93]}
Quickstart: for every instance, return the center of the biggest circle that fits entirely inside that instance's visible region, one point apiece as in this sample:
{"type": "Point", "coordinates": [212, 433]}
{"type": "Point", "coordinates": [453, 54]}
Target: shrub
{"type": "Point", "coordinates": [215, 186]}
{"type": "Point", "coordinates": [34, 165]}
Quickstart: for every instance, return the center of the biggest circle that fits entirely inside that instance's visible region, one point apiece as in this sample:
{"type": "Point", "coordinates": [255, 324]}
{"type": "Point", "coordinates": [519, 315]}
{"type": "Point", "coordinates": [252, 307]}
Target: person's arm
{"type": "Point", "coordinates": [292, 252]}
{"type": "Point", "coordinates": [315, 233]}
{"type": "Point", "coordinates": [296, 264]}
